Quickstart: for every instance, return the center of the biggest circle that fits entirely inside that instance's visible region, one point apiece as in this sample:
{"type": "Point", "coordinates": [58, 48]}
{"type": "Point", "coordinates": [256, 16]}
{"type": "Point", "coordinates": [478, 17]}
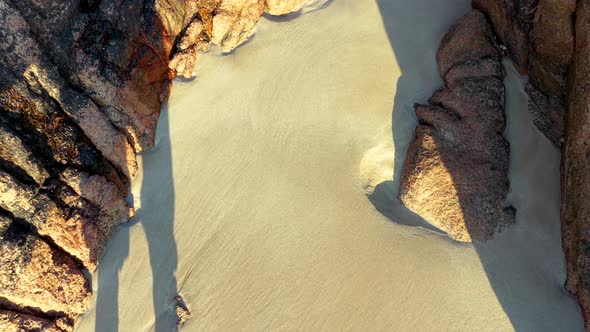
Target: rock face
{"type": "Point", "coordinates": [35, 275]}
{"type": "Point", "coordinates": [575, 180]}
{"type": "Point", "coordinates": [539, 37]}
{"type": "Point", "coordinates": [82, 83]}
{"type": "Point", "coordinates": [456, 170]}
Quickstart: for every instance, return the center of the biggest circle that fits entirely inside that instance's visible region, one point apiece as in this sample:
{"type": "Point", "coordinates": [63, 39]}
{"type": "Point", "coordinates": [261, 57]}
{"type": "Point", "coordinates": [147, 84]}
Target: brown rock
{"type": "Point", "coordinates": [15, 152]}
{"type": "Point", "coordinates": [512, 22]}
{"type": "Point", "coordinates": [552, 45]}
{"type": "Point", "coordinates": [548, 113]}
{"type": "Point", "coordinates": [575, 177]}
{"type": "Point", "coordinates": [471, 40]}
{"type": "Point", "coordinates": [456, 171]}
{"type": "Point", "coordinates": [11, 321]}
{"type": "Point", "coordinates": [83, 233]}
{"type": "Point", "coordinates": [34, 275]}
{"type": "Point", "coordinates": [51, 135]}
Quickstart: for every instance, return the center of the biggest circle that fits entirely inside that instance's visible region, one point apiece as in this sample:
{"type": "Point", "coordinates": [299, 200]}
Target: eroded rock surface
{"type": "Point", "coordinates": [575, 180]}
{"type": "Point", "coordinates": [36, 276]}
{"type": "Point", "coordinates": [456, 170]}
{"type": "Point", "coordinates": [539, 37]}
{"type": "Point", "coordinates": [12, 321]}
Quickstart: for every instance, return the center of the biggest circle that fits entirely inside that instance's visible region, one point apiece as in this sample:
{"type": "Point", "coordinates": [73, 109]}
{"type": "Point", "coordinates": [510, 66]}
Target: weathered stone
{"type": "Point", "coordinates": [512, 22]}
{"type": "Point", "coordinates": [11, 321]}
{"type": "Point", "coordinates": [27, 61]}
{"type": "Point", "coordinates": [234, 22]}
{"type": "Point", "coordinates": [548, 113]}
{"type": "Point", "coordinates": [471, 40]}
{"type": "Point", "coordinates": [79, 232]}
{"type": "Point", "coordinates": [552, 45]}
{"type": "Point", "coordinates": [575, 180]}
{"type": "Point", "coordinates": [35, 275]}
{"type": "Point", "coordinates": [456, 170]}
{"type": "Point", "coordinates": [14, 151]}
{"type": "Point", "coordinates": [48, 132]}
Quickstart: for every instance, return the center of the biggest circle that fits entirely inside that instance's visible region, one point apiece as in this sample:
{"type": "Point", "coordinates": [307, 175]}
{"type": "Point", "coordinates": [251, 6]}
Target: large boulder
{"type": "Point", "coordinates": [456, 170]}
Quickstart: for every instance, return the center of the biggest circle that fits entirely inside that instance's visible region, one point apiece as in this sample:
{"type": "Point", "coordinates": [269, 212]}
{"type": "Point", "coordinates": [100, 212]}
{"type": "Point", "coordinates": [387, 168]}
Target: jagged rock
{"type": "Point", "coordinates": [575, 181]}
{"type": "Point", "coordinates": [15, 152]}
{"type": "Point", "coordinates": [552, 45]}
{"type": "Point", "coordinates": [35, 275]}
{"type": "Point", "coordinates": [234, 22]}
{"type": "Point", "coordinates": [456, 170]}
{"type": "Point", "coordinates": [192, 41]}
{"type": "Point", "coordinates": [27, 61]}
{"type": "Point", "coordinates": [120, 61]}
{"type": "Point", "coordinates": [80, 232]}
{"type": "Point", "coordinates": [548, 113]}
{"type": "Point", "coordinates": [11, 321]}
{"type": "Point", "coordinates": [48, 131]}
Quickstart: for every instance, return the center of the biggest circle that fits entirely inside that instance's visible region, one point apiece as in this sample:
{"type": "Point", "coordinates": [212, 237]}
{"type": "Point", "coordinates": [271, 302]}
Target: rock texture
{"type": "Point", "coordinates": [11, 321]}
{"type": "Point", "coordinates": [456, 170]}
{"type": "Point", "coordinates": [33, 274]}
{"type": "Point", "coordinates": [82, 83]}
{"type": "Point", "coordinates": [575, 180]}
{"type": "Point", "coordinates": [539, 37]}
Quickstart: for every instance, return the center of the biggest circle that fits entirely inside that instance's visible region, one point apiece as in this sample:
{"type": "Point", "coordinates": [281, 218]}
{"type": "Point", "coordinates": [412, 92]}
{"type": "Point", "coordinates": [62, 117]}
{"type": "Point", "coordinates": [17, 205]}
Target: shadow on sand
{"type": "Point", "coordinates": [157, 190]}
{"type": "Point", "coordinates": [521, 262]}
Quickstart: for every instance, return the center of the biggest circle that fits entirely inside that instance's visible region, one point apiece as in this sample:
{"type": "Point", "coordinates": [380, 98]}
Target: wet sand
{"type": "Point", "coordinates": [254, 207]}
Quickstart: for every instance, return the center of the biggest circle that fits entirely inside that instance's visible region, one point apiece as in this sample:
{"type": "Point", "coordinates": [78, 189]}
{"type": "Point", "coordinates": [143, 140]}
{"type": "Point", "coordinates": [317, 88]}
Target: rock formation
{"type": "Point", "coordinates": [539, 37]}
{"type": "Point", "coordinates": [459, 149]}
{"type": "Point", "coordinates": [575, 167]}
{"type": "Point", "coordinates": [549, 41]}
{"type": "Point", "coordinates": [82, 83]}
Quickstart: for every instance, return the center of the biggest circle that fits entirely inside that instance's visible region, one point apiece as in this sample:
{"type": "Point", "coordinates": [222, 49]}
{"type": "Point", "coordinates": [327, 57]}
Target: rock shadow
{"type": "Point", "coordinates": [159, 231]}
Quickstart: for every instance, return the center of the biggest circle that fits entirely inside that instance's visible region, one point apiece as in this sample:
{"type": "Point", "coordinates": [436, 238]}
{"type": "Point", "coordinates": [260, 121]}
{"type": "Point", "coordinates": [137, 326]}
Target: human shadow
{"type": "Point", "coordinates": [519, 262]}
{"type": "Point", "coordinates": [157, 190]}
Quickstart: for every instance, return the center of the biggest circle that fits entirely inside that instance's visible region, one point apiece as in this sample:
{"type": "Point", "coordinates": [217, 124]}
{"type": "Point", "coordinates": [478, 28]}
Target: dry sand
{"type": "Point", "coordinates": [253, 205]}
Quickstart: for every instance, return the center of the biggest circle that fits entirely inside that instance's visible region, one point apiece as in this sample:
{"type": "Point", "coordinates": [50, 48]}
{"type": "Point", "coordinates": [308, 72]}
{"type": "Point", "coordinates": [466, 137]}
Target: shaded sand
{"type": "Point", "coordinates": [254, 201]}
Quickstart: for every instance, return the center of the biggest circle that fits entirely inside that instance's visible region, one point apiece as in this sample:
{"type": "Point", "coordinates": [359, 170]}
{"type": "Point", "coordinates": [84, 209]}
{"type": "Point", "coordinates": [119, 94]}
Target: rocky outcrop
{"type": "Point", "coordinates": [35, 275]}
{"type": "Point", "coordinates": [456, 170]}
{"type": "Point", "coordinates": [18, 321]}
{"type": "Point", "coordinates": [82, 83]}
{"type": "Point", "coordinates": [575, 180]}
{"type": "Point", "coordinates": [539, 37]}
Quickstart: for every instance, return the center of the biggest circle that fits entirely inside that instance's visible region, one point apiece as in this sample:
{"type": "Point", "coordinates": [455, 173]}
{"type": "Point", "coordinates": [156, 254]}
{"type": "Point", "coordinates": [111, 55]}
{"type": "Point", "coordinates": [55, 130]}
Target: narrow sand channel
{"type": "Point", "coordinates": [253, 205]}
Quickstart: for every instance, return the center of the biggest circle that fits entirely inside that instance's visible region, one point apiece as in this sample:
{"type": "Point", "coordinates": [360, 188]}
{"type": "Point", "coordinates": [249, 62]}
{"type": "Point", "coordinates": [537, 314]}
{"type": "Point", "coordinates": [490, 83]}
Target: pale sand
{"type": "Point", "coordinates": [272, 152]}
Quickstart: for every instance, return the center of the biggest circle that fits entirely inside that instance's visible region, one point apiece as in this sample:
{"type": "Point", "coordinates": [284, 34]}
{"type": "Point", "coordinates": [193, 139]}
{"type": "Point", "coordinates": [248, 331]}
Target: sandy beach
{"type": "Point", "coordinates": [254, 204]}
